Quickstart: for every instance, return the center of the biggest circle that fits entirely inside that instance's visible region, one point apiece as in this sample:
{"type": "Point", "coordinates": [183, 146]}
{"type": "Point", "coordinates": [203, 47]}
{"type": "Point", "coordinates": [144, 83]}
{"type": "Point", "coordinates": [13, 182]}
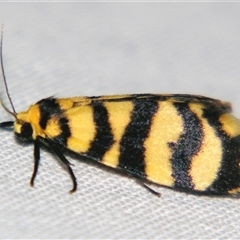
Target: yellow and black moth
{"type": "Point", "coordinates": [186, 142]}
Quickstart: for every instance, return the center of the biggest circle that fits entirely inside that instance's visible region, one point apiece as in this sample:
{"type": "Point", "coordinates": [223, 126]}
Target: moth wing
{"type": "Point", "coordinates": [67, 103]}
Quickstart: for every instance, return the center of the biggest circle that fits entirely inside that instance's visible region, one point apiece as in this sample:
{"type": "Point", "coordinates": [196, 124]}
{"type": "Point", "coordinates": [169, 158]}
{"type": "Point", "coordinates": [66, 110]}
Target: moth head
{"type": "Point", "coordinates": [23, 130]}
{"type": "Point", "coordinates": [26, 125]}
{"type": "Point", "coordinates": [23, 127]}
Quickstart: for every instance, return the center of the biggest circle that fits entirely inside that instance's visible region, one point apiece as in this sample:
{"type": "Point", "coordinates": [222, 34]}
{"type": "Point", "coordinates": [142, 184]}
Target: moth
{"type": "Point", "coordinates": [185, 142]}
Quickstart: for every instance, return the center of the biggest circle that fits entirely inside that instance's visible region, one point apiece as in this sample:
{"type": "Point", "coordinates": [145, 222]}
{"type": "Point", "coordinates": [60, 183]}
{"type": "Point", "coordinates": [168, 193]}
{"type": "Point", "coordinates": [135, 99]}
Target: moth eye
{"type": "Point", "coordinates": [26, 131]}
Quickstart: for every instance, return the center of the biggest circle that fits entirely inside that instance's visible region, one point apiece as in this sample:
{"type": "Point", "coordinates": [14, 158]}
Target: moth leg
{"type": "Point", "coordinates": [158, 194]}
{"type": "Point", "coordinates": [64, 160]}
{"type": "Point", "coordinates": [36, 153]}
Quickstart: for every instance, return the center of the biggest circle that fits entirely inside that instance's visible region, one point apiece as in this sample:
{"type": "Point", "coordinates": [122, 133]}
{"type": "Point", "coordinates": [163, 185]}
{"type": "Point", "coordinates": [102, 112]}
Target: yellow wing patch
{"type": "Point", "coordinates": [119, 117]}
{"type": "Point", "coordinates": [157, 150]}
{"type": "Point", "coordinates": [82, 128]}
{"type": "Point", "coordinates": [205, 165]}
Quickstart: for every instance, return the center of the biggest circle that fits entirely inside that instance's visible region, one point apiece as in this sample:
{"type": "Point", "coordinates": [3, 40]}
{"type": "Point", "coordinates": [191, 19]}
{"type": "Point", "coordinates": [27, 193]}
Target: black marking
{"type": "Point", "coordinates": [161, 97]}
{"type": "Point", "coordinates": [7, 124]}
{"type": "Point", "coordinates": [26, 131]}
{"type": "Point", "coordinates": [172, 145]}
{"type": "Point", "coordinates": [48, 107]}
{"type": "Point", "coordinates": [228, 176]}
{"type": "Point", "coordinates": [65, 132]}
{"type": "Point", "coordinates": [132, 148]}
{"type": "Point", "coordinates": [187, 146]}
{"type": "Point", "coordinates": [137, 97]}
{"type": "Point", "coordinates": [103, 139]}
{"type": "Point", "coordinates": [94, 97]}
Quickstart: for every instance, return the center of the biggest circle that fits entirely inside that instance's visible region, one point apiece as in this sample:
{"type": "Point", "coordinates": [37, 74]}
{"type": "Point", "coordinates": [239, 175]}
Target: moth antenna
{"type": "Point", "coordinates": [7, 110]}
{"type": "Point", "coordinates": [4, 80]}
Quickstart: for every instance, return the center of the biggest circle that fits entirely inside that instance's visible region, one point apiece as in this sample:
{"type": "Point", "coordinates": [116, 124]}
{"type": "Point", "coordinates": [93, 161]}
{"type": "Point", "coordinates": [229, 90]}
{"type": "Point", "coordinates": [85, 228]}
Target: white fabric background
{"type": "Point", "coordinates": [68, 49]}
